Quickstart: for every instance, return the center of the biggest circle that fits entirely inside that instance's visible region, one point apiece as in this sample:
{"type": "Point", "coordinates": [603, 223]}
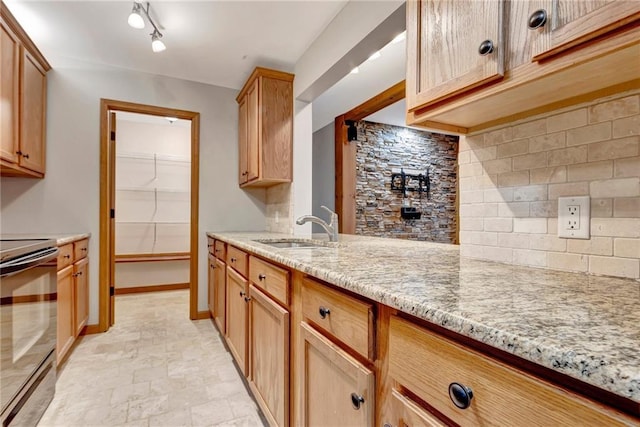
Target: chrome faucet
{"type": "Point", "coordinates": [331, 228]}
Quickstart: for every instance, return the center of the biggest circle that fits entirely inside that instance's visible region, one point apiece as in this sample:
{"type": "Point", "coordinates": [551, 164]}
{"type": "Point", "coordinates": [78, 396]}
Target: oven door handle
{"type": "Point", "coordinates": [21, 264]}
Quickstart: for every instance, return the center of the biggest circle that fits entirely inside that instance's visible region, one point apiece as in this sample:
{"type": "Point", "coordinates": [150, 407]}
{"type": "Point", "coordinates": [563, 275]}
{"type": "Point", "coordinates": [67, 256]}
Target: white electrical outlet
{"type": "Point", "coordinates": [574, 215]}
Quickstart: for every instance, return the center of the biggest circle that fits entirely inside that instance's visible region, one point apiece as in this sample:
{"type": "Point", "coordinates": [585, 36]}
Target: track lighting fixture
{"type": "Point", "coordinates": [136, 20]}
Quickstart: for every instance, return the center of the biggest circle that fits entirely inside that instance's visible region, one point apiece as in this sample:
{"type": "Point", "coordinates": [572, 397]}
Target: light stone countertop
{"type": "Point", "coordinates": [587, 327]}
{"type": "Point", "coordinates": [61, 239]}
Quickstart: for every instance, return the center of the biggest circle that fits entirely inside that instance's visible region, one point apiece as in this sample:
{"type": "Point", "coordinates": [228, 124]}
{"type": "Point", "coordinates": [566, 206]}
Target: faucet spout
{"type": "Point", "coordinates": [331, 228]}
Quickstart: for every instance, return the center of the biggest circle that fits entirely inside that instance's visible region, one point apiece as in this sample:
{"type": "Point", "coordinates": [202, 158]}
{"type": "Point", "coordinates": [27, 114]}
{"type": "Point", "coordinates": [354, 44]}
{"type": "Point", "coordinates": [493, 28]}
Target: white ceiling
{"type": "Point", "coordinates": [214, 42]}
{"type": "Point", "coordinates": [151, 119]}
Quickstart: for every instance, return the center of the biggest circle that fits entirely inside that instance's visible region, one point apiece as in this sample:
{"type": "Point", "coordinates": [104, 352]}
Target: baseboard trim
{"type": "Point", "coordinates": [91, 329]}
{"type": "Point", "coordinates": [204, 315]}
{"type": "Point", "coordinates": [152, 288]}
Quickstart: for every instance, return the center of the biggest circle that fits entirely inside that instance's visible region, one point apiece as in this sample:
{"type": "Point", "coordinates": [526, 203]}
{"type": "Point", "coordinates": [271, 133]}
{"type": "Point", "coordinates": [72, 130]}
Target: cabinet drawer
{"type": "Point", "coordinates": [238, 260]}
{"type": "Point", "coordinates": [65, 256]}
{"type": "Point", "coordinates": [80, 249]}
{"type": "Point", "coordinates": [346, 318]}
{"type": "Point", "coordinates": [271, 279]}
{"type": "Point", "coordinates": [426, 364]}
{"type": "Point", "coordinates": [220, 250]}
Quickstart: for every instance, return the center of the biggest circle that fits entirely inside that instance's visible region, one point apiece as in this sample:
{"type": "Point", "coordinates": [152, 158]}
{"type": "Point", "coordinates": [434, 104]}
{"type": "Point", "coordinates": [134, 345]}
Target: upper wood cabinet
{"type": "Point", "coordinates": [23, 89]}
{"type": "Point", "coordinates": [447, 61]}
{"type": "Point", "coordinates": [265, 133]}
{"type": "Point", "coordinates": [451, 87]}
{"type": "Point", "coordinates": [572, 22]}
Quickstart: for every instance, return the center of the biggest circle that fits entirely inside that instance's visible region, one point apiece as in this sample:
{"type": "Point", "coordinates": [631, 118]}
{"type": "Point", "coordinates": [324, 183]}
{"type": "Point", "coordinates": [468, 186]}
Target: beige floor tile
{"type": "Point", "coordinates": [154, 367]}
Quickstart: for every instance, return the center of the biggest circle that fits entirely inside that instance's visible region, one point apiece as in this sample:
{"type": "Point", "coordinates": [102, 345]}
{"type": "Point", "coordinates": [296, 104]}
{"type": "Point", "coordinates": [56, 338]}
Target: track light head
{"type": "Point", "coordinates": [135, 19]}
{"type": "Point", "coordinates": [157, 45]}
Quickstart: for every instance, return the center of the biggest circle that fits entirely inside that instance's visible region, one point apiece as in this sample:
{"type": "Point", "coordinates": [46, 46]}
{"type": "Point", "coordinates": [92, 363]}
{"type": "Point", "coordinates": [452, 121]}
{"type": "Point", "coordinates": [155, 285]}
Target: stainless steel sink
{"type": "Point", "coordinates": [293, 243]}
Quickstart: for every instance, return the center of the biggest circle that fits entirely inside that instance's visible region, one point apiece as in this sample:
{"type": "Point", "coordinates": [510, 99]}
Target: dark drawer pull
{"type": "Point", "coordinates": [537, 19]}
{"type": "Point", "coordinates": [233, 259]}
{"type": "Point", "coordinates": [262, 276]}
{"type": "Point", "coordinates": [460, 395]}
{"type": "Point", "coordinates": [356, 401]}
{"type": "Point", "coordinates": [66, 256]}
{"type": "Point", "coordinates": [324, 312]}
{"type": "Point", "coordinates": [485, 48]}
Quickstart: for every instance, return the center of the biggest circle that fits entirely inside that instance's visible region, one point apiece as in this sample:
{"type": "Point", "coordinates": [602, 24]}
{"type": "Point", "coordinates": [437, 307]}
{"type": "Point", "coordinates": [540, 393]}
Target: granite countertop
{"type": "Point", "coordinates": [587, 327]}
{"type": "Point", "coordinates": [60, 238]}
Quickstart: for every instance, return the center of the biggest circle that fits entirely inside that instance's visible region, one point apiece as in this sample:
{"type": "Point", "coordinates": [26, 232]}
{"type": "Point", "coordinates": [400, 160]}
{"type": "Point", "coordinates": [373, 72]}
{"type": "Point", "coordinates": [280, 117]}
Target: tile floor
{"type": "Point", "coordinates": [154, 367]}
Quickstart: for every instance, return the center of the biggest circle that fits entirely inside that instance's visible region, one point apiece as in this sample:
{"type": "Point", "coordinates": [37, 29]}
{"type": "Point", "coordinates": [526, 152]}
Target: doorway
{"type": "Point", "coordinates": [152, 246]}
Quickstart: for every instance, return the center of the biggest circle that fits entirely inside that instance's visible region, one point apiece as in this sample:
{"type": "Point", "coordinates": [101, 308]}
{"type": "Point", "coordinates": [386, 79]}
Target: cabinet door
{"type": "Point", "coordinates": [220, 296]}
{"type": "Point", "coordinates": [336, 389]}
{"type": "Point", "coordinates": [237, 314]}
{"type": "Point", "coordinates": [572, 22]}
{"type": "Point", "coordinates": [65, 308]}
{"type": "Point", "coordinates": [243, 168]}
{"type": "Point", "coordinates": [211, 285]}
{"type": "Point", "coordinates": [445, 39]}
{"type": "Point", "coordinates": [269, 360]}
{"type": "Point", "coordinates": [253, 131]}
{"type": "Point", "coordinates": [81, 286]}
{"type": "Point", "coordinates": [407, 413]}
{"type": "Point", "coordinates": [32, 118]}
{"type": "Point", "coordinates": [9, 61]}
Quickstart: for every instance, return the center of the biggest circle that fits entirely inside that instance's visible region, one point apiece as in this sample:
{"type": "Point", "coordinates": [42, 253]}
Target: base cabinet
{"type": "Point", "coordinates": [269, 356]}
{"type": "Point", "coordinates": [220, 295]}
{"type": "Point", "coordinates": [73, 295]}
{"type": "Point", "coordinates": [407, 413]}
{"type": "Point", "coordinates": [336, 389]}
{"type": "Point", "coordinates": [237, 317]}
{"type": "Point", "coordinates": [65, 310]}
{"type": "Point", "coordinates": [210, 285]}
{"type": "Point", "coordinates": [81, 299]}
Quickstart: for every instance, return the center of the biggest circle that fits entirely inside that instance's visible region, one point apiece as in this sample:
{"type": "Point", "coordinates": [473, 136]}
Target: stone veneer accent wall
{"type": "Point", "coordinates": [511, 178]}
{"type": "Point", "coordinates": [381, 148]}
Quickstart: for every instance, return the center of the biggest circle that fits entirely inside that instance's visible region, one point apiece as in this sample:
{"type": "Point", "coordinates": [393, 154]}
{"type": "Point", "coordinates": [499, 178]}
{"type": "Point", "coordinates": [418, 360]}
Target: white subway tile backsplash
{"type": "Point", "coordinates": [588, 134]}
{"type": "Point", "coordinates": [601, 208]}
{"type": "Point", "coordinates": [570, 189]}
{"type": "Point", "coordinates": [615, 109]}
{"type": "Point", "coordinates": [626, 248]}
{"type": "Point", "coordinates": [498, 224]}
{"type": "Point", "coordinates": [616, 227]}
{"type": "Point", "coordinates": [530, 193]}
{"type": "Point", "coordinates": [593, 246]}
{"type": "Point", "coordinates": [568, 120]}
{"type": "Point", "coordinates": [547, 242]}
{"type": "Point", "coordinates": [626, 167]}
{"type": "Point", "coordinates": [529, 257]}
{"type": "Point", "coordinates": [569, 262]}
{"type": "Point", "coordinates": [513, 209]}
{"type": "Point", "coordinates": [590, 150]}
{"type": "Point", "coordinates": [590, 171]}
{"type": "Point", "coordinates": [552, 175]}
{"type": "Point", "coordinates": [498, 195]}
{"type": "Point", "coordinates": [552, 141]}
{"type": "Point", "coordinates": [614, 149]}
{"type": "Point", "coordinates": [626, 127]}
{"type": "Point", "coordinates": [567, 156]}
{"type": "Point", "coordinates": [623, 187]}
{"type": "Point", "coordinates": [613, 266]}
{"type": "Point", "coordinates": [626, 207]}
{"type": "Point", "coordinates": [530, 225]}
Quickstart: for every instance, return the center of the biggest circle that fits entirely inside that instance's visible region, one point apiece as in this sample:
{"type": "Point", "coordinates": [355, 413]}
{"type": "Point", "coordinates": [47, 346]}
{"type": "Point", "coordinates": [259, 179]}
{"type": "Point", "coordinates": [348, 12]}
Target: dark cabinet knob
{"type": "Point", "coordinates": [233, 260]}
{"type": "Point", "coordinates": [242, 293]}
{"type": "Point", "coordinates": [247, 299]}
{"type": "Point", "coordinates": [324, 312]}
{"type": "Point", "coordinates": [245, 173]}
{"type": "Point", "coordinates": [486, 47]}
{"type": "Point", "coordinates": [460, 395]}
{"type": "Point", "coordinates": [356, 401]}
{"type": "Point", "coordinates": [83, 249]}
{"type": "Point", "coordinates": [19, 153]}
{"type": "Point", "coordinates": [26, 156]}
{"type": "Point", "coordinates": [537, 19]}
{"type": "Point", "coordinates": [66, 256]}
{"type": "Point", "coordinates": [262, 276]}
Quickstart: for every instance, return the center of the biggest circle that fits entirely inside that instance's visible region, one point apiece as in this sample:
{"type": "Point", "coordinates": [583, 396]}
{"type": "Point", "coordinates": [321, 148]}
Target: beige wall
{"type": "Point", "coordinates": [511, 178]}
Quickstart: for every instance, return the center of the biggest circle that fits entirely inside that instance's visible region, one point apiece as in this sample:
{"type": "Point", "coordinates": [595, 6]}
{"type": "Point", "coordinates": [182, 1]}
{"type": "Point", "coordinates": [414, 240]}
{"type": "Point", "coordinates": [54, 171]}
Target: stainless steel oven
{"type": "Point", "coordinates": [28, 298]}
